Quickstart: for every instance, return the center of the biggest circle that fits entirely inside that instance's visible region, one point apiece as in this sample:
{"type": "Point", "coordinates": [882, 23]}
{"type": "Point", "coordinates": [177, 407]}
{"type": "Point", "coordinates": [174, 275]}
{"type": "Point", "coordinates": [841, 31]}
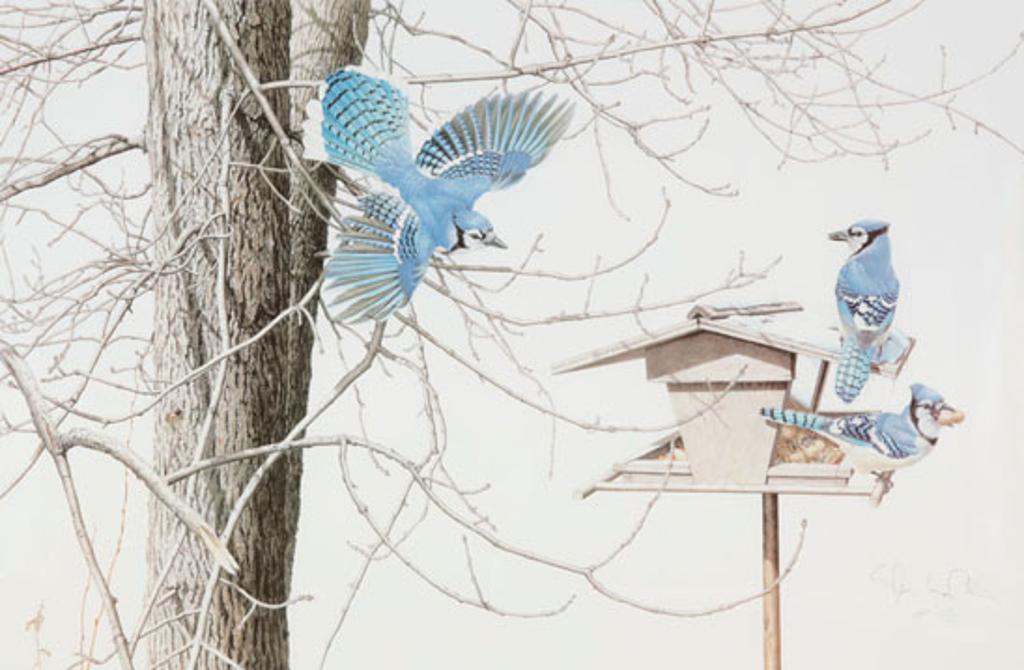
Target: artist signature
{"type": "Point", "coordinates": [923, 593]}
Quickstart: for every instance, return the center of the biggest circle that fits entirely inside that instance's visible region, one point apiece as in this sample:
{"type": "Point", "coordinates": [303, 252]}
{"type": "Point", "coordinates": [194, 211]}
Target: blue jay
{"type": "Point", "coordinates": [880, 442]}
{"type": "Point", "coordinates": [362, 122]}
{"type": "Point", "coordinates": [866, 294]}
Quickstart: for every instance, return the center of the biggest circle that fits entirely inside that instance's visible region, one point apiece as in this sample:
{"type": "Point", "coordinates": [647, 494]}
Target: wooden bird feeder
{"type": "Point", "coordinates": [720, 367]}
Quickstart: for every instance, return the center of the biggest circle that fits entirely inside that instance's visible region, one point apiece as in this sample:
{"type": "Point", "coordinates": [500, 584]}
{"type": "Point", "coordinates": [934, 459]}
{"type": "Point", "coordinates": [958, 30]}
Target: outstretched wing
{"type": "Point", "coordinates": [378, 262]}
{"type": "Point", "coordinates": [497, 139]}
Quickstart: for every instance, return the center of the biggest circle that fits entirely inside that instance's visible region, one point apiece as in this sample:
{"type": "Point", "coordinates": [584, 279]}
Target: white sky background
{"type": "Point", "coordinates": [930, 579]}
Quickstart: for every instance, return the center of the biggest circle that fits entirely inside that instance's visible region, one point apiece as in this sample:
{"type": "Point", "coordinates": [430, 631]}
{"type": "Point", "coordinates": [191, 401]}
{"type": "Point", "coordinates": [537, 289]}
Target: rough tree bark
{"type": "Point", "coordinates": [266, 258]}
{"type": "Point", "coordinates": [325, 35]}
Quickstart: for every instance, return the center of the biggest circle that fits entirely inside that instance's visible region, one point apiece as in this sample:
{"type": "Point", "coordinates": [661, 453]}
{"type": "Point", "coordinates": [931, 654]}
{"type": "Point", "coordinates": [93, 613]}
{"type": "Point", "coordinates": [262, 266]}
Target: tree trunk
{"type": "Point", "coordinates": [203, 137]}
{"type": "Point", "coordinates": [326, 34]}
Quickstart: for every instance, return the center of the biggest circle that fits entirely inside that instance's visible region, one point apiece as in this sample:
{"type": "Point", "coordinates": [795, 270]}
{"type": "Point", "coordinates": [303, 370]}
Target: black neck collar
{"type": "Point", "coordinates": [913, 421]}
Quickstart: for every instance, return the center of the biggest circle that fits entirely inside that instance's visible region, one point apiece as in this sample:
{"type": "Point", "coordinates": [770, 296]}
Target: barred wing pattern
{"type": "Point", "coordinates": [378, 262]}
{"type": "Point", "coordinates": [873, 431]}
{"type": "Point", "coordinates": [498, 138]}
{"type": "Point", "coordinates": [866, 304]}
{"type": "Point", "coordinates": [887, 434]}
{"type": "Point", "coordinates": [856, 428]}
{"type": "Point", "coordinates": [870, 311]}
{"type": "Point", "coordinates": [867, 308]}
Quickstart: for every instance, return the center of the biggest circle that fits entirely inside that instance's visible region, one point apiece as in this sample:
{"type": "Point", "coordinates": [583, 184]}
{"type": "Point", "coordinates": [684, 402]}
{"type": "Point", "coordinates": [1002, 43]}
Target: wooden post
{"type": "Point", "coordinates": [819, 385]}
{"type": "Point", "coordinates": [770, 548]}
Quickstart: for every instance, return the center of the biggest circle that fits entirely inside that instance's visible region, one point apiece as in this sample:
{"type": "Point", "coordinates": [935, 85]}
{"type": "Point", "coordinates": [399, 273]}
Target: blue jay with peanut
{"type": "Point", "coordinates": [881, 441]}
{"type": "Point", "coordinates": [362, 122]}
{"type": "Point", "coordinates": [867, 291]}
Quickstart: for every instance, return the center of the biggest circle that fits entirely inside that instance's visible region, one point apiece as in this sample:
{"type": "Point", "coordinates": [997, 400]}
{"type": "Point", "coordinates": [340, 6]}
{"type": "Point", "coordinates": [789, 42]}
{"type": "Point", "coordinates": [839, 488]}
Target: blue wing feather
{"type": "Point", "coordinates": [872, 311]}
{"type": "Point", "coordinates": [867, 292]}
{"type": "Point", "coordinates": [896, 435]}
{"type": "Point", "coordinates": [866, 301]}
{"type": "Point", "coordinates": [498, 138]}
{"type": "Point", "coordinates": [885, 433]}
{"type": "Point", "coordinates": [855, 429]}
{"type": "Point", "coordinates": [891, 435]}
{"type": "Point", "coordinates": [378, 262]}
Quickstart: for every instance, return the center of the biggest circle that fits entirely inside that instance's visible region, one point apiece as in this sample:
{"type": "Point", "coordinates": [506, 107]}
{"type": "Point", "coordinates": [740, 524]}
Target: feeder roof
{"type": "Point", "coordinates": [781, 325]}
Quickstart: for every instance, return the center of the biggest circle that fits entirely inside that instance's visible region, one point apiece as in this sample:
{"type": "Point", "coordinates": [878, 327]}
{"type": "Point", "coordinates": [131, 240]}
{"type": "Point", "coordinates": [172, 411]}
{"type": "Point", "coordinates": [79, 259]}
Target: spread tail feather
{"type": "Point", "coordinates": [360, 122]}
{"type": "Point", "coordinates": [854, 369]}
{"type": "Point", "coordinates": [793, 418]}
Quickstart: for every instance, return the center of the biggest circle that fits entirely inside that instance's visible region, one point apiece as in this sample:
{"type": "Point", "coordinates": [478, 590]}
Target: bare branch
{"type": "Point", "coordinates": [94, 152]}
{"type": "Point", "coordinates": [29, 387]}
{"type": "Point", "coordinates": [617, 54]}
{"type": "Point", "coordinates": [82, 437]}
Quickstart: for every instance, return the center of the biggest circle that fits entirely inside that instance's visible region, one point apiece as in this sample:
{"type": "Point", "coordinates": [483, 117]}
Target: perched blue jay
{"type": "Point", "coordinates": [882, 441]}
{"type": "Point", "coordinates": [362, 122]}
{"type": "Point", "coordinates": [866, 295]}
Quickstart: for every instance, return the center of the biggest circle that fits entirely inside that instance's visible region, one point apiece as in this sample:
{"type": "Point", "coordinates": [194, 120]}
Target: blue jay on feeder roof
{"type": "Point", "coordinates": [867, 291]}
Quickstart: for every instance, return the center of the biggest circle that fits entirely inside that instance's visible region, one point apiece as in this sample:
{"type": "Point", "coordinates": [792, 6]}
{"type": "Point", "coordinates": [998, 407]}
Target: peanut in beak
{"type": "Point", "coordinates": [950, 417]}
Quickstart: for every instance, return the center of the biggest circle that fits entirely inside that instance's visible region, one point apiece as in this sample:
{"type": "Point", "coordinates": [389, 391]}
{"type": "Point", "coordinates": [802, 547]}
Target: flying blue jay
{"type": "Point", "coordinates": [362, 122]}
{"type": "Point", "coordinates": [866, 294]}
{"type": "Point", "coordinates": [881, 442]}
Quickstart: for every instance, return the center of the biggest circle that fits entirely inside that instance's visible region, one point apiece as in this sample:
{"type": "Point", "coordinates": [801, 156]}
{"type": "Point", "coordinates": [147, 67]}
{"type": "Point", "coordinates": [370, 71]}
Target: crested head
{"type": "Point", "coordinates": [921, 393]}
{"type": "Point", "coordinates": [863, 234]}
{"type": "Point", "coordinates": [872, 226]}
{"type": "Point", "coordinates": [929, 411]}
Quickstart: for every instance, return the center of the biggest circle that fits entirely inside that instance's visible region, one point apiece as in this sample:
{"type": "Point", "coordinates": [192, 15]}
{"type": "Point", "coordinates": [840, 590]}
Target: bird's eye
{"type": "Point", "coordinates": [476, 235]}
{"type": "Point", "coordinates": [856, 232]}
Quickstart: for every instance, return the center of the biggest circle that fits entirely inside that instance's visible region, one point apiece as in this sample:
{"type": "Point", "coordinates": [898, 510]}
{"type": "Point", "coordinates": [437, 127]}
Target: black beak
{"type": "Point", "coordinates": [839, 236]}
{"type": "Point", "coordinates": [492, 240]}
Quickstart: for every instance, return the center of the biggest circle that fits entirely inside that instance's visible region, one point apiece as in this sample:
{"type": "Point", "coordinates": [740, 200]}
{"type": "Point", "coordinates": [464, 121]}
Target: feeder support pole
{"type": "Point", "coordinates": [770, 549]}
